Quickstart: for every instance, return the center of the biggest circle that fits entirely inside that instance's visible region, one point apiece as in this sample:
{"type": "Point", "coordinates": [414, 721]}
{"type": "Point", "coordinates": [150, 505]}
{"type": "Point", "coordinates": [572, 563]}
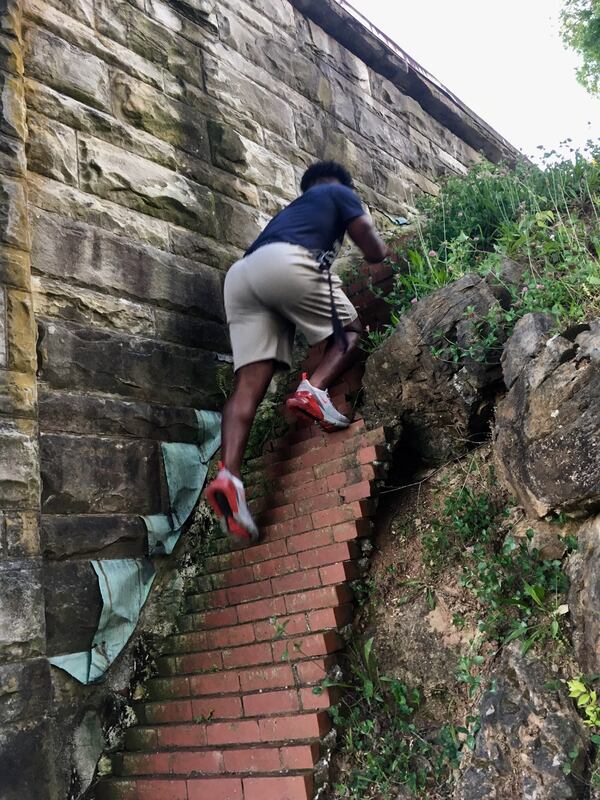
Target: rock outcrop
{"type": "Point", "coordinates": [525, 737]}
{"type": "Point", "coordinates": [584, 596]}
{"type": "Point", "coordinates": [547, 435]}
{"type": "Point", "coordinates": [415, 384]}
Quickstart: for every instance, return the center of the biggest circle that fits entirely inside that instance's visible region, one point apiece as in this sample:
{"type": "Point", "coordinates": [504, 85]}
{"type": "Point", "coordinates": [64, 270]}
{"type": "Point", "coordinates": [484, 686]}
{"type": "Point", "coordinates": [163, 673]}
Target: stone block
{"type": "Point", "coordinates": [174, 122]}
{"type": "Point", "coordinates": [73, 606]}
{"type": "Point", "coordinates": [21, 332]}
{"type": "Point", "coordinates": [22, 531]}
{"type": "Point", "coordinates": [3, 330]}
{"type": "Point", "coordinates": [52, 149]}
{"type": "Point", "coordinates": [67, 68]}
{"type": "Point", "coordinates": [24, 691]}
{"type": "Point", "coordinates": [73, 303]}
{"type": "Point", "coordinates": [195, 20]}
{"type": "Point", "coordinates": [203, 249]}
{"type": "Point", "coordinates": [77, 358]}
{"type": "Point", "coordinates": [14, 268]}
{"type": "Point", "coordinates": [87, 475]}
{"type": "Point", "coordinates": [12, 156]}
{"type": "Point", "coordinates": [242, 94]}
{"type": "Point", "coordinates": [17, 394]}
{"type": "Point", "coordinates": [22, 626]}
{"type": "Point", "coordinates": [80, 36]}
{"type": "Point", "coordinates": [19, 471]}
{"type": "Point", "coordinates": [90, 536]}
{"type": "Point", "coordinates": [13, 213]}
{"type": "Point", "coordinates": [191, 331]}
{"type": "Point", "coordinates": [12, 106]}
{"type": "Point", "coordinates": [239, 225]}
{"type": "Point", "coordinates": [26, 762]}
{"type": "Point", "coordinates": [67, 201]}
{"type": "Point", "coordinates": [245, 158]}
{"type": "Point", "coordinates": [68, 412]}
{"type": "Point", "coordinates": [100, 260]}
{"type": "Point", "coordinates": [81, 10]}
{"type": "Point", "coordinates": [144, 186]}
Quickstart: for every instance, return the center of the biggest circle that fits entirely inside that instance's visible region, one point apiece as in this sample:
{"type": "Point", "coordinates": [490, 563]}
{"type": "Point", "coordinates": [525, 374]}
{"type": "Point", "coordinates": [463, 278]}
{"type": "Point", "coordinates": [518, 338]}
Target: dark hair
{"type": "Point", "coordinates": [325, 169]}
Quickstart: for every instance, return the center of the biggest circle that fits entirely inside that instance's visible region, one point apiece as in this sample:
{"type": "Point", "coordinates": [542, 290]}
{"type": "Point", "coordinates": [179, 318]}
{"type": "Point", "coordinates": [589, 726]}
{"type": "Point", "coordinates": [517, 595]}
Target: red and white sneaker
{"type": "Point", "coordinates": [227, 498]}
{"type": "Point", "coordinates": [308, 401]}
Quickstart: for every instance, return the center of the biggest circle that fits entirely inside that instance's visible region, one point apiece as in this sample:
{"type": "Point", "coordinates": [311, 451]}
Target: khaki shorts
{"type": "Point", "coordinates": [271, 292]}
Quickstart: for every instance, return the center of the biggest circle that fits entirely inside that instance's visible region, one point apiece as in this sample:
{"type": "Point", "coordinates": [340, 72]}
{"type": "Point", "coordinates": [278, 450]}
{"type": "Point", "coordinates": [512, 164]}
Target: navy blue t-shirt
{"type": "Point", "coordinates": [316, 220]}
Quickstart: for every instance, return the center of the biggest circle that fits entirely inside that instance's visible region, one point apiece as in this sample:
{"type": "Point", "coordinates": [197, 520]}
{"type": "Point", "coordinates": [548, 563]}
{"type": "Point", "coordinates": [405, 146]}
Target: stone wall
{"type": "Point", "coordinates": [153, 140]}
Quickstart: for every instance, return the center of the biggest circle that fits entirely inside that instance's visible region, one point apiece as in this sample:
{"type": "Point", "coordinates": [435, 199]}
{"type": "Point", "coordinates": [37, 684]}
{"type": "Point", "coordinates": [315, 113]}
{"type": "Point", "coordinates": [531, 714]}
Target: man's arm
{"type": "Point", "coordinates": [364, 235]}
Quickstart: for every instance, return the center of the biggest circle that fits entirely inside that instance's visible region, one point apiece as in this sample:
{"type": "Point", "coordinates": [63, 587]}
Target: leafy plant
{"type": "Point", "coordinates": [581, 30]}
{"type": "Point", "coordinates": [587, 702]}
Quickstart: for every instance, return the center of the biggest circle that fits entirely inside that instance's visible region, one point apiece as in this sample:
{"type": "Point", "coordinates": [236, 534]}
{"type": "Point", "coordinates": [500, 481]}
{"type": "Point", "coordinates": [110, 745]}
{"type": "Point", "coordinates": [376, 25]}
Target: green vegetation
{"type": "Point", "coordinates": [521, 594]}
{"type": "Point", "coordinates": [547, 220]}
{"type": "Point", "coordinates": [383, 747]}
{"type": "Point", "coordinates": [581, 31]}
{"type": "Point", "coordinates": [587, 701]}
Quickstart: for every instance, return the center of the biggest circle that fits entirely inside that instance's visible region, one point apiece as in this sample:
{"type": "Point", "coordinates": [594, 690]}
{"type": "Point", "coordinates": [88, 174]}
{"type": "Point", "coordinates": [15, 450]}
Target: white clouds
{"type": "Point", "coordinates": [504, 60]}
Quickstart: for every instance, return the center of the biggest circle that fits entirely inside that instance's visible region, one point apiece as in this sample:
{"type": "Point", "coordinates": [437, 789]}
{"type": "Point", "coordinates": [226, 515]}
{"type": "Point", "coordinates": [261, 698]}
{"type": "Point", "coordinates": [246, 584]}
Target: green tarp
{"type": "Point", "coordinates": [125, 583]}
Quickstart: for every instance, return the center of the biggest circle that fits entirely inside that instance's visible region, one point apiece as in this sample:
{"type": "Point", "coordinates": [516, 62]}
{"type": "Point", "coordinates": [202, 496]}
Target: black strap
{"type": "Point", "coordinates": [339, 333]}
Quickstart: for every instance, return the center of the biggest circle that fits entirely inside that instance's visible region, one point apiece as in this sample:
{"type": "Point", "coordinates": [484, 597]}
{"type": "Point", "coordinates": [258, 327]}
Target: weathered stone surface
{"type": "Point", "coordinates": [86, 414]}
{"type": "Point", "coordinates": [73, 606]}
{"type": "Point", "coordinates": [116, 175]}
{"type": "Point", "coordinates": [17, 394]}
{"type": "Point", "coordinates": [67, 201]}
{"type": "Point", "coordinates": [82, 10]}
{"type": "Point", "coordinates": [27, 762]}
{"type": "Point", "coordinates": [79, 36]}
{"type": "Point", "coordinates": [14, 268]}
{"type": "Point", "coordinates": [24, 691]}
{"type": "Point", "coordinates": [12, 156]}
{"type": "Point", "coordinates": [525, 738]}
{"type": "Point", "coordinates": [526, 341]}
{"type": "Point", "coordinates": [96, 360]}
{"type": "Point", "coordinates": [191, 331]}
{"type": "Point", "coordinates": [3, 326]}
{"type": "Point", "coordinates": [226, 86]}
{"type": "Point", "coordinates": [67, 68]}
{"type": "Point", "coordinates": [441, 405]}
{"type": "Point", "coordinates": [19, 478]}
{"type": "Point", "coordinates": [101, 260]}
{"type": "Point", "coordinates": [54, 299]}
{"type": "Point", "coordinates": [149, 110]}
{"type": "Point", "coordinates": [548, 426]}
{"type": "Point", "coordinates": [52, 149]}
{"type": "Point", "coordinates": [238, 224]}
{"type": "Point", "coordinates": [22, 628]}
{"type": "Point", "coordinates": [200, 248]}
{"type": "Point", "coordinates": [22, 531]}
{"type": "Point", "coordinates": [12, 106]}
{"type": "Point", "coordinates": [584, 596]}
{"type": "Point", "coordinates": [175, 16]}
{"type": "Point", "coordinates": [245, 158]}
{"type": "Point", "coordinates": [14, 227]}
{"type": "Point", "coordinates": [106, 536]}
{"type": "Point", "coordinates": [84, 474]}
{"type": "Point", "coordinates": [21, 332]}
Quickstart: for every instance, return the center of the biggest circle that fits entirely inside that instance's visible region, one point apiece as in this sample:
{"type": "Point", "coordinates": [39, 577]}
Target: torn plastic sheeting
{"type": "Point", "coordinates": [125, 583]}
{"type": "Point", "coordinates": [124, 586]}
{"type": "Point", "coordinates": [186, 466]}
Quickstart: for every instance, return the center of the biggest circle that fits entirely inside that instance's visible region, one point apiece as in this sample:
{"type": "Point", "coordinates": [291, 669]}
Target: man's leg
{"type": "Point", "coordinates": [251, 384]}
{"type": "Point", "coordinates": [335, 361]}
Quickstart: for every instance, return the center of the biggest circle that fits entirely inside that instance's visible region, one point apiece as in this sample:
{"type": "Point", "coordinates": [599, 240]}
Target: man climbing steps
{"type": "Point", "coordinates": [285, 282]}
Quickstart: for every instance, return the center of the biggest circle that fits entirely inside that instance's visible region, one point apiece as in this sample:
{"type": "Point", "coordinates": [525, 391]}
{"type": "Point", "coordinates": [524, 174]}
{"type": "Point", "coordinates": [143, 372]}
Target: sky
{"type": "Point", "coordinates": [505, 60]}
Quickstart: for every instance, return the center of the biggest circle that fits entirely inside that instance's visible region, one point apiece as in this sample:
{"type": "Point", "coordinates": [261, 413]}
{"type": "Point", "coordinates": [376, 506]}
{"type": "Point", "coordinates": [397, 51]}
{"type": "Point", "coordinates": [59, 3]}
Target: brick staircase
{"type": "Point", "coordinates": [232, 714]}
